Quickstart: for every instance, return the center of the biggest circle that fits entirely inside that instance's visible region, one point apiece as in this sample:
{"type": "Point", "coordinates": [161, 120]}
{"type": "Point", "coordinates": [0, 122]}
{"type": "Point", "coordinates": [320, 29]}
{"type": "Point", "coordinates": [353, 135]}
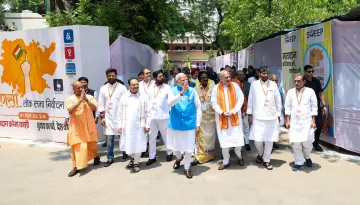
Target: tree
{"type": "Point", "coordinates": [249, 20]}
{"type": "Point", "coordinates": [145, 21]}
{"type": "Point", "coordinates": [36, 6]}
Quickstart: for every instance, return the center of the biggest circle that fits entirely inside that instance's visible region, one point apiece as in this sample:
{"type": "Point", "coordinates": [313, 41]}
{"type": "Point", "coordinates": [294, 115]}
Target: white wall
{"type": "Point", "coordinates": [25, 21]}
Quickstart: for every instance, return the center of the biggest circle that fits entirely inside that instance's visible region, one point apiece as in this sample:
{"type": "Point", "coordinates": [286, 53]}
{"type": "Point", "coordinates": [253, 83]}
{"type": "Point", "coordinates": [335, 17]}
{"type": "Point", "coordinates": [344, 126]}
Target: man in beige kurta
{"type": "Point", "coordinates": [82, 135]}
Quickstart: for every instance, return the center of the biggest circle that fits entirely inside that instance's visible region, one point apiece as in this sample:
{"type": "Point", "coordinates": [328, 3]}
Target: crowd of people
{"type": "Point", "coordinates": [189, 110]}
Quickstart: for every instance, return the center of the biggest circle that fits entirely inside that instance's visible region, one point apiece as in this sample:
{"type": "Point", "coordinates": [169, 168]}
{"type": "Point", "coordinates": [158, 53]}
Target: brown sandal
{"type": "Point", "coordinates": [259, 159]}
{"type": "Point", "coordinates": [130, 165]}
{"type": "Point", "coordinates": [223, 166]}
{"type": "Point", "coordinates": [136, 168]}
{"type": "Point", "coordinates": [268, 166]}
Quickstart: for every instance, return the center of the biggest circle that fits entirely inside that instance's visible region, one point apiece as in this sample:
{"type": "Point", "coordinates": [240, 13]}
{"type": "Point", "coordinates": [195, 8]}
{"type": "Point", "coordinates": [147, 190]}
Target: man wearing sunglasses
{"type": "Point", "coordinates": [315, 84]}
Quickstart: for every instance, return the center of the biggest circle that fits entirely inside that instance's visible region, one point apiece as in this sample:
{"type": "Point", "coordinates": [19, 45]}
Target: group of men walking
{"type": "Point", "coordinates": [189, 119]}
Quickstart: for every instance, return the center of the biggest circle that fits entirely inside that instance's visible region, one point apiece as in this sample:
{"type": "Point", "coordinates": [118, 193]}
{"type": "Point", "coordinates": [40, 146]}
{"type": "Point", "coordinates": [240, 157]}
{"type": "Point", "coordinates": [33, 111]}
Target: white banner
{"type": "Point", "coordinates": [37, 68]}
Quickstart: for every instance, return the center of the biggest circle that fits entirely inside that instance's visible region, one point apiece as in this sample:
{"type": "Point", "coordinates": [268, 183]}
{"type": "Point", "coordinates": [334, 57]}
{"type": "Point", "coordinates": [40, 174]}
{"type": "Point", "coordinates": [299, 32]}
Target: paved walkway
{"type": "Point", "coordinates": [32, 174]}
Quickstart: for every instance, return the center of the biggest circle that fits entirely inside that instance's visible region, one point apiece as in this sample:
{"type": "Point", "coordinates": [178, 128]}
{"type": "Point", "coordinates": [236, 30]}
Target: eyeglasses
{"type": "Point", "coordinates": [310, 71]}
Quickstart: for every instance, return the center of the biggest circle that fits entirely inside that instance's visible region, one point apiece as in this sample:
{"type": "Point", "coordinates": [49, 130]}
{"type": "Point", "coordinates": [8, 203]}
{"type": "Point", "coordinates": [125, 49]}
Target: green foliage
{"type": "Point", "coordinates": [167, 65]}
{"type": "Point", "coordinates": [145, 21]}
{"type": "Point", "coordinates": [249, 20]}
{"type": "Point", "coordinates": [36, 6]}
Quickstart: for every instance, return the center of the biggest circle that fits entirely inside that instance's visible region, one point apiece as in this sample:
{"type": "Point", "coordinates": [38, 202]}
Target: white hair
{"type": "Point", "coordinates": [178, 76]}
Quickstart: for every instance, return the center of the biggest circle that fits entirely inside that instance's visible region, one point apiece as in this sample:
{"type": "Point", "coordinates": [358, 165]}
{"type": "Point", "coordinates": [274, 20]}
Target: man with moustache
{"type": "Point", "coordinates": [158, 98]}
{"type": "Point", "coordinates": [301, 109]}
{"type": "Point", "coordinates": [184, 122]}
{"type": "Point", "coordinates": [109, 99]}
{"type": "Point", "coordinates": [134, 117]}
{"type": "Point", "coordinates": [264, 109]}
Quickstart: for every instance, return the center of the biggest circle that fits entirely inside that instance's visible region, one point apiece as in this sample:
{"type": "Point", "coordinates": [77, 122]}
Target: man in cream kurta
{"type": "Point", "coordinates": [82, 135]}
{"type": "Point", "coordinates": [158, 98]}
{"type": "Point", "coordinates": [134, 117]}
{"type": "Point", "coordinates": [184, 122]}
{"type": "Point", "coordinates": [301, 106]}
{"type": "Point", "coordinates": [147, 83]}
{"type": "Point", "coordinates": [228, 117]}
{"type": "Point", "coordinates": [109, 99]}
{"type": "Point", "coordinates": [264, 109]}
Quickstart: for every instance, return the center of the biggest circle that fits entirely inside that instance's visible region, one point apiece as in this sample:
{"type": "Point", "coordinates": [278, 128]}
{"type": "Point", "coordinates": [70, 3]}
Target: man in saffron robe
{"type": "Point", "coordinates": [82, 135]}
{"type": "Point", "coordinates": [226, 100]}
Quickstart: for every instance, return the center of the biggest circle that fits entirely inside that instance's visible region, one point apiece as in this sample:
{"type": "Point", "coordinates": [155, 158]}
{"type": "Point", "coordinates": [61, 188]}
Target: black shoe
{"type": "Point", "coordinates": [169, 157]}
{"type": "Point", "coordinates": [144, 154]}
{"type": "Point", "coordinates": [108, 163]}
{"type": "Point", "coordinates": [318, 148]}
{"type": "Point", "coordinates": [177, 163]}
{"type": "Point", "coordinates": [96, 161]}
{"type": "Point", "coordinates": [275, 146]}
{"type": "Point", "coordinates": [188, 173]}
{"type": "Point", "coordinates": [105, 144]}
{"type": "Point", "coordinates": [247, 147]}
{"type": "Point", "coordinates": [73, 172]}
{"type": "Point", "coordinates": [125, 156]}
{"type": "Point", "coordinates": [150, 162]}
{"type": "Point", "coordinates": [136, 168]}
{"type": "Point", "coordinates": [130, 164]}
{"type": "Point", "coordinates": [195, 162]}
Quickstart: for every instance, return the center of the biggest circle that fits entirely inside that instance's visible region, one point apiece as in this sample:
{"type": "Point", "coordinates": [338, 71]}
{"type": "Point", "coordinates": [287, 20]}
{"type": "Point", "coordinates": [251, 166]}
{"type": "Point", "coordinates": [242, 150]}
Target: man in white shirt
{"type": "Point", "coordinates": [301, 106]}
{"type": "Point", "coordinates": [227, 99]}
{"type": "Point", "coordinates": [184, 122]}
{"type": "Point", "coordinates": [134, 117]}
{"type": "Point", "coordinates": [146, 83]}
{"type": "Point", "coordinates": [264, 108]}
{"type": "Point", "coordinates": [158, 98]}
{"type": "Point", "coordinates": [109, 100]}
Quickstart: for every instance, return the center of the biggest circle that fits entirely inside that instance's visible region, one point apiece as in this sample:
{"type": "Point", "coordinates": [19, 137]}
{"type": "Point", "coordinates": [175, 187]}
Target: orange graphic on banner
{"type": "Point", "coordinates": [33, 116]}
{"type": "Point", "coordinates": [315, 56]}
{"type": "Point", "coordinates": [25, 65]}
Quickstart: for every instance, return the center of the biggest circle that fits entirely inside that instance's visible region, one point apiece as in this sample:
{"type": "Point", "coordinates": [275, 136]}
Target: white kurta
{"type": "Point", "coordinates": [233, 136]}
{"type": "Point", "coordinates": [110, 105]}
{"type": "Point", "coordinates": [133, 116]}
{"type": "Point", "coordinates": [264, 104]}
{"type": "Point", "coordinates": [301, 114]}
{"type": "Point", "coordinates": [145, 87]}
{"type": "Point", "coordinates": [158, 100]}
{"type": "Point", "coordinates": [183, 141]}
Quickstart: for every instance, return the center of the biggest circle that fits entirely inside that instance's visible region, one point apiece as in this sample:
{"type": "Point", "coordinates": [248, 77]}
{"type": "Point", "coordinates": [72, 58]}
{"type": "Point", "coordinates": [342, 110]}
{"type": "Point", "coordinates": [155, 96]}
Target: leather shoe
{"type": "Point", "coordinates": [125, 156]}
{"type": "Point", "coordinates": [108, 163]}
{"type": "Point", "coordinates": [150, 162]}
{"type": "Point", "coordinates": [308, 162]}
{"type": "Point", "coordinates": [318, 148]}
{"type": "Point", "coordinates": [169, 157]}
{"type": "Point", "coordinates": [275, 146]}
{"type": "Point", "coordinates": [105, 144]}
{"type": "Point", "coordinates": [96, 161]}
{"type": "Point", "coordinates": [73, 172]}
{"type": "Point", "coordinates": [188, 173]}
{"type": "Point", "coordinates": [195, 162]}
{"type": "Point", "coordinates": [241, 161]}
{"type": "Point", "coordinates": [247, 147]}
{"type": "Point", "coordinates": [223, 166]}
{"type": "Point", "coordinates": [177, 163]}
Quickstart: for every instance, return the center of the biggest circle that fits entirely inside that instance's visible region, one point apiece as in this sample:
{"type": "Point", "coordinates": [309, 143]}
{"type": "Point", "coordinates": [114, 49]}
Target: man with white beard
{"type": "Point", "coordinates": [227, 99]}
{"type": "Point", "coordinates": [109, 99]}
{"type": "Point", "coordinates": [184, 123]}
{"type": "Point", "coordinates": [158, 98]}
{"type": "Point", "coordinates": [301, 106]}
{"type": "Point", "coordinates": [134, 117]}
{"type": "Point", "coordinates": [264, 109]}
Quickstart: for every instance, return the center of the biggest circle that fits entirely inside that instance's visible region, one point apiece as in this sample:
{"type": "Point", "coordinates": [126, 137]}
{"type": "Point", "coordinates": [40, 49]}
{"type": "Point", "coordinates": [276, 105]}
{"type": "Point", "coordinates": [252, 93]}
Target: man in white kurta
{"type": "Point", "coordinates": [109, 98]}
{"type": "Point", "coordinates": [184, 122]}
{"type": "Point", "coordinates": [147, 83]}
{"type": "Point", "coordinates": [227, 99]}
{"type": "Point", "coordinates": [134, 117]}
{"type": "Point", "coordinates": [158, 98]}
{"type": "Point", "coordinates": [301, 111]}
{"type": "Point", "coordinates": [264, 109]}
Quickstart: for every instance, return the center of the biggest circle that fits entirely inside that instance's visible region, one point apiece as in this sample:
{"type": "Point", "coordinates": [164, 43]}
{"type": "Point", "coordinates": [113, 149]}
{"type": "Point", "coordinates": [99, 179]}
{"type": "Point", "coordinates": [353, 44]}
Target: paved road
{"type": "Point", "coordinates": [32, 174]}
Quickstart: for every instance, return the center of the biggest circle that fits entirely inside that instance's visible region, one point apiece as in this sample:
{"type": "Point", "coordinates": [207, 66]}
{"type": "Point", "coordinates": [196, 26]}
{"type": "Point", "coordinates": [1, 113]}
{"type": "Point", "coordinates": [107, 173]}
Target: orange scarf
{"type": "Point", "coordinates": [234, 119]}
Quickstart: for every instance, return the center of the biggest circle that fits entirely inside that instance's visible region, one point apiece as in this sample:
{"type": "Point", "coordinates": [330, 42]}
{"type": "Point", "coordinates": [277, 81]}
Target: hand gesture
{"type": "Point", "coordinates": [324, 111]}
{"type": "Point", "coordinates": [185, 88]}
{"type": "Point", "coordinates": [96, 120]}
{"type": "Point", "coordinates": [146, 130]}
{"type": "Point", "coordinates": [103, 122]}
{"type": "Point", "coordinates": [83, 96]}
{"type": "Point", "coordinates": [250, 120]}
{"type": "Point", "coordinates": [197, 130]}
{"type": "Point", "coordinates": [25, 66]}
{"type": "Point", "coordinates": [119, 130]}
